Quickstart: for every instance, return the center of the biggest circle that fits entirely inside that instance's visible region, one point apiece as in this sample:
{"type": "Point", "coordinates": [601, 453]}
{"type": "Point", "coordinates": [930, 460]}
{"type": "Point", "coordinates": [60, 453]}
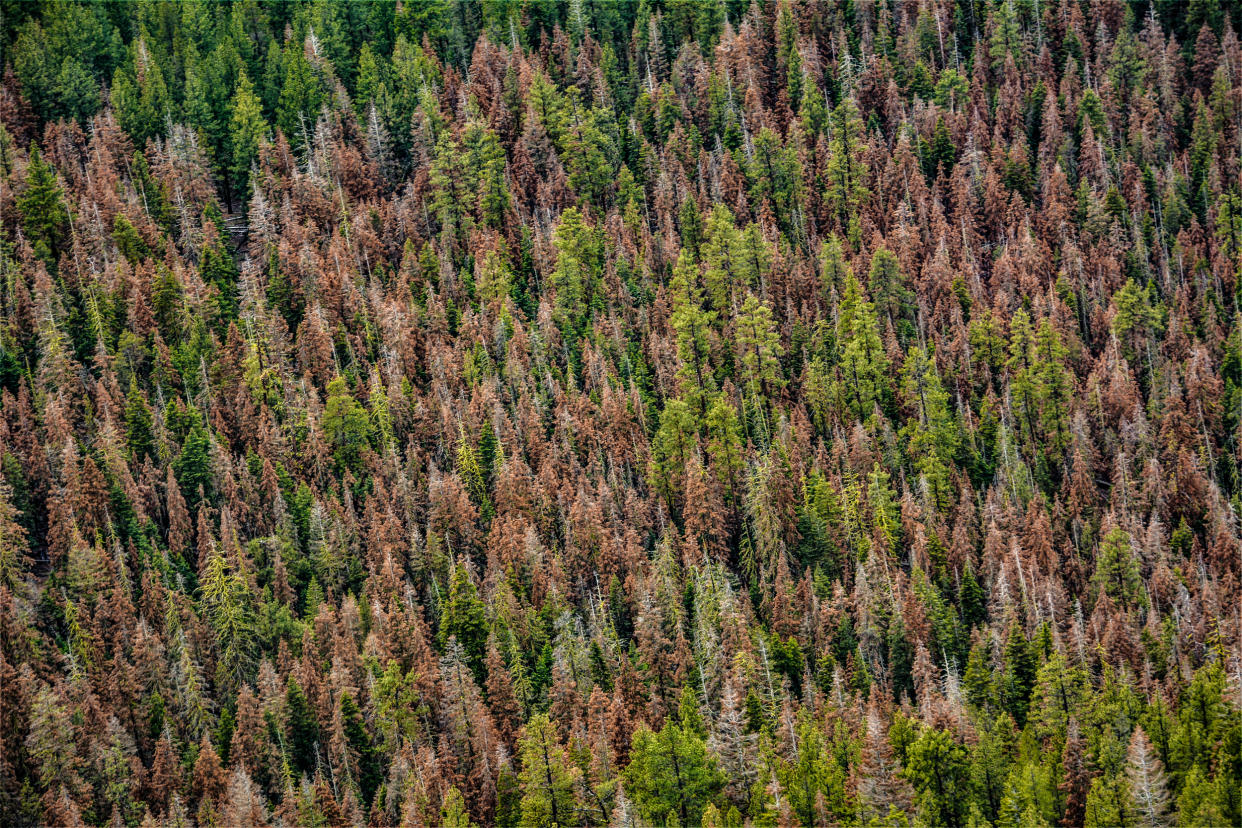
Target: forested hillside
{"type": "Point", "coordinates": [683, 412]}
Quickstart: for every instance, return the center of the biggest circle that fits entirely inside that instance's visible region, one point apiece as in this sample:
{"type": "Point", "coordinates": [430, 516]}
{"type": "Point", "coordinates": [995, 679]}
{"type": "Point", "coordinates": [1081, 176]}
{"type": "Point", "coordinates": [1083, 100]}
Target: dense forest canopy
{"type": "Point", "coordinates": [693, 412]}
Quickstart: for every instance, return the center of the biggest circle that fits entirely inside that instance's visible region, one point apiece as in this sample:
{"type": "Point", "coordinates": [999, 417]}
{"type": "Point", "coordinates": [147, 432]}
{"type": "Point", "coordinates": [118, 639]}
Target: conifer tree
{"type": "Point", "coordinates": [1022, 368]}
{"type": "Point", "coordinates": [14, 546]}
{"type": "Point", "coordinates": [834, 270]}
{"type": "Point", "coordinates": [1136, 320]}
{"type": "Point", "coordinates": [932, 437]}
{"type": "Point", "coordinates": [1148, 782]}
{"type": "Point", "coordinates": [937, 767]}
{"type": "Point", "coordinates": [45, 218]}
{"type": "Point", "coordinates": [759, 348]}
{"type": "Point", "coordinates": [453, 812]}
{"type": "Point", "coordinates": [1108, 803]}
{"type": "Point", "coordinates": [301, 730]}
{"type": "Point", "coordinates": [846, 171]}
{"type": "Point", "coordinates": [574, 279]}
{"type": "Point", "coordinates": [864, 363]}
{"type": "Point", "coordinates": [723, 257]}
{"type": "Point", "coordinates": [193, 465]}
{"type": "Point", "coordinates": [1197, 805]}
{"type": "Point", "coordinates": [888, 290]}
{"type": "Point", "coordinates": [50, 742]}
{"type": "Point", "coordinates": [139, 425]}
{"type": "Point", "coordinates": [1021, 665]}
{"type": "Point", "coordinates": [247, 129]}
{"type": "Point", "coordinates": [673, 447]}
{"type": "Point", "coordinates": [140, 95]}
{"type": "Point", "coordinates": [230, 608]}
{"type": "Point", "coordinates": [345, 425]}
{"type": "Point", "coordinates": [471, 471]}
{"type": "Point", "coordinates": [881, 788]}
{"type": "Point", "coordinates": [1055, 387]}
{"type": "Point", "coordinates": [693, 325]}
{"type": "Point", "coordinates": [548, 778]}
{"type": "Point", "coordinates": [301, 94]}
{"type": "Point", "coordinates": [813, 782]}
{"type": "Point", "coordinates": [465, 619]}
{"type": "Point", "coordinates": [1116, 570]}
{"type": "Point", "coordinates": [363, 752]}
{"type": "Point", "coordinates": [454, 183]}
{"type": "Point", "coordinates": [671, 775]}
